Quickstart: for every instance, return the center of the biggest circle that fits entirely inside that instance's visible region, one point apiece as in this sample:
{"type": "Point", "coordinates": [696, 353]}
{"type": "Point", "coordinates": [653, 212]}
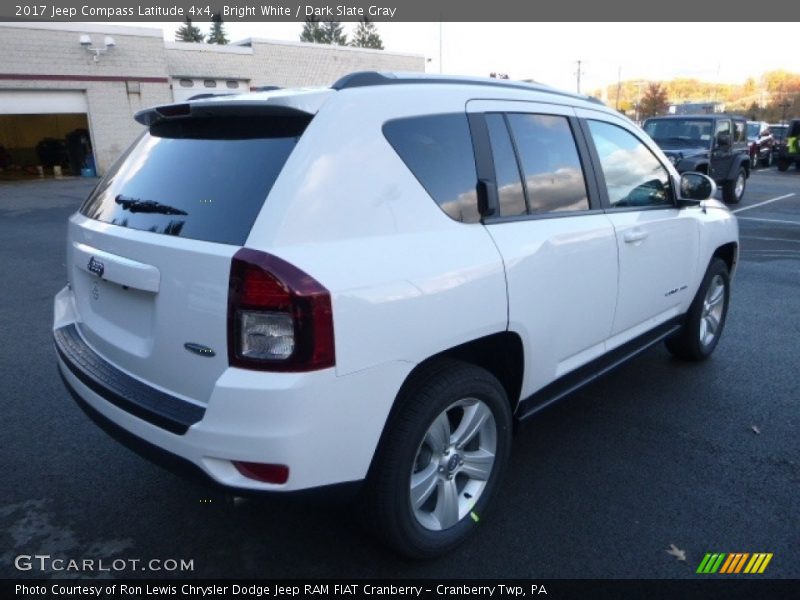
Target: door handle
{"type": "Point", "coordinates": [634, 235]}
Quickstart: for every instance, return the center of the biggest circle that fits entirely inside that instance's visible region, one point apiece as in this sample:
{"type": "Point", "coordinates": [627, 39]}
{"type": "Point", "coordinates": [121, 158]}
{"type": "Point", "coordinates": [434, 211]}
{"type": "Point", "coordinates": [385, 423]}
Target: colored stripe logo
{"type": "Point", "coordinates": [734, 563]}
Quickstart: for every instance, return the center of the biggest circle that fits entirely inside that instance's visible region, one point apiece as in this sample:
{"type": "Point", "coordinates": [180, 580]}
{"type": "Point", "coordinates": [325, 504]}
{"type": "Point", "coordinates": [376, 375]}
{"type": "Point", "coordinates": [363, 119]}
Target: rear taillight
{"type": "Point", "coordinates": [279, 318]}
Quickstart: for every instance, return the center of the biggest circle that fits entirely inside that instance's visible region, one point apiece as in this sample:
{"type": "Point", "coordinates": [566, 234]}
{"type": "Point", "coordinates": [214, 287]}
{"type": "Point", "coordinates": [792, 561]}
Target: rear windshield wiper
{"type": "Point", "coordinates": [137, 205]}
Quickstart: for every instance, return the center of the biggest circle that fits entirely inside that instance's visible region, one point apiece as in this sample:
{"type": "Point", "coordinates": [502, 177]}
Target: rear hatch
{"type": "Point", "coordinates": [149, 252]}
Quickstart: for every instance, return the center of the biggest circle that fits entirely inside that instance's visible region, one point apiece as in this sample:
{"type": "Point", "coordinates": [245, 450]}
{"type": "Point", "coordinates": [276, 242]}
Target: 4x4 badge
{"type": "Point", "coordinates": [96, 267]}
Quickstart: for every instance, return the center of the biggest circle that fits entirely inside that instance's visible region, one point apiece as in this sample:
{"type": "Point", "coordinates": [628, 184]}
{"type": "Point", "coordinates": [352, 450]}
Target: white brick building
{"type": "Point", "coordinates": [51, 86]}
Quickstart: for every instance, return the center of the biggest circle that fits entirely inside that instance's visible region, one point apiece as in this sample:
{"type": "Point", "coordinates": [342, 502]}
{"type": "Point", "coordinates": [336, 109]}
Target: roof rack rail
{"type": "Point", "coordinates": [377, 78]}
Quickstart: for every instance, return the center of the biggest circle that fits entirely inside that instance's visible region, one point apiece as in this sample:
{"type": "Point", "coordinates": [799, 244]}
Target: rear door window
{"type": "Point", "coordinates": [551, 167]}
{"type": "Point", "coordinates": [204, 179]}
{"type": "Point", "coordinates": [511, 198]}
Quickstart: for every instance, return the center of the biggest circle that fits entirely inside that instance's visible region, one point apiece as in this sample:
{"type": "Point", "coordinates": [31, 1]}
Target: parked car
{"type": "Point", "coordinates": [367, 285]}
{"type": "Point", "coordinates": [713, 144]}
{"type": "Point", "coordinates": [760, 142]}
{"type": "Point", "coordinates": [779, 135]}
{"type": "Point", "coordinates": [790, 149]}
{"type": "Point", "coordinates": [779, 131]}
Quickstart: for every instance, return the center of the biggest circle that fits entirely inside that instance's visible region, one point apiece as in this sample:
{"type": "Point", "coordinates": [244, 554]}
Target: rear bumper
{"type": "Point", "coordinates": [324, 427]}
{"type": "Point", "coordinates": [343, 492]}
{"type": "Point", "coordinates": [131, 395]}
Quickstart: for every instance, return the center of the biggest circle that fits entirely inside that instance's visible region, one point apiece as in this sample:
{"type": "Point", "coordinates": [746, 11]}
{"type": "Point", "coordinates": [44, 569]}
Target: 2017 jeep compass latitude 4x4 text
{"type": "Point", "coordinates": [369, 283]}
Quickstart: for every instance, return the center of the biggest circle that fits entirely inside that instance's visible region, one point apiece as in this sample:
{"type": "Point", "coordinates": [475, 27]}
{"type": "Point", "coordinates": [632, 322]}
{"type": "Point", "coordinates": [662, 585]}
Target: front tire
{"type": "Point", "coordinates": [783, 164]}
{"type": "Point", "coordinates": [441, 459]}
{"type": "Point", "coordinates": [733, 190]}
{"type": "Point", "coordinates": [705, 320]}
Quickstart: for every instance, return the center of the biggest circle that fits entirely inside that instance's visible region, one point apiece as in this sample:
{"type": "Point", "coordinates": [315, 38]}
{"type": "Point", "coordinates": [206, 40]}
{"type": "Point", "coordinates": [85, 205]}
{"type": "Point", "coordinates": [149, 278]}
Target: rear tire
{"type": "Point", "coordinates": [783, 164]}
{"type": "Point", "coordinates": [733, 190]}
{"type": "Point", "coordinates": [705, 320]}
{"type": "Point", "coordinates": [440, 460]}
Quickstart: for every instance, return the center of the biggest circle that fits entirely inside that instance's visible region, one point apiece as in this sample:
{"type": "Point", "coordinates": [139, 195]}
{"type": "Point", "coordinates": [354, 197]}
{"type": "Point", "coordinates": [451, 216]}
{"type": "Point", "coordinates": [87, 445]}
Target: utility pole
{"type": "Point", "coordinates": [440, 45]}
{"type": "Point", "coordinates": [578, 73]}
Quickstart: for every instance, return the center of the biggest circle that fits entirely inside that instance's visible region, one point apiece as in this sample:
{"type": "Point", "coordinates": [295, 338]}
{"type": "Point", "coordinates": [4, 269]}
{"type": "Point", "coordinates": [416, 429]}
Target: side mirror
{"type": "Point", "coordinates": [696, 186]}
{"type": "Point", "coordinates": [723, 140]}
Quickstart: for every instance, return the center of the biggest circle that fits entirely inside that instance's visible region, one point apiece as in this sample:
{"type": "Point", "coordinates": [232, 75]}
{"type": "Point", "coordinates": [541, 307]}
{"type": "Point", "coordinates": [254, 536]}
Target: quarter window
{"type": "Point", "coordinates": [437, 149]}
{"type": "Point", "coordinates": [549, 161]}
{"type": "Point", "coordinates": [633, 175]}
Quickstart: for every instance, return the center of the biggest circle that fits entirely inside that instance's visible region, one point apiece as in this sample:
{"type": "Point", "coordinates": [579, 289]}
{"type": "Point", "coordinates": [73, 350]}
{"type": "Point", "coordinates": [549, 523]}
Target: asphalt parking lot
{"type": "Point", "coordinates": [705, 457]}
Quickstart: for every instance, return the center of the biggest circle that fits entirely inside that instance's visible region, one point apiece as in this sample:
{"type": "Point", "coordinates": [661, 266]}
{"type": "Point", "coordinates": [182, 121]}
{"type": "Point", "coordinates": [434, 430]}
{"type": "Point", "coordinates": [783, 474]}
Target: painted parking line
{"type": "Point", "coordinates": [738, 210]}
{"type": "Point", "coordinates": [770, 239]}
{"type": "Point", "coordinates": [769, 220]}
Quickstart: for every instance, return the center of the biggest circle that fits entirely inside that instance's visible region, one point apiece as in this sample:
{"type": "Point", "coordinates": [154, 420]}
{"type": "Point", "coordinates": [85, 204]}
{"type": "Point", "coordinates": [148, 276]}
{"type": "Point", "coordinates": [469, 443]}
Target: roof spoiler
{"type": "Point", "coordinates": [206, 109]}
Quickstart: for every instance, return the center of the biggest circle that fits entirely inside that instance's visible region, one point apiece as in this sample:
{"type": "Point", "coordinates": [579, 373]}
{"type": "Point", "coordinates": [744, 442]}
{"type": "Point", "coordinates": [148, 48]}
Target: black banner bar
{"type": "Point", "coordinates": [427, 589]}
{"type": "Point", "coordinates": [396, 10]}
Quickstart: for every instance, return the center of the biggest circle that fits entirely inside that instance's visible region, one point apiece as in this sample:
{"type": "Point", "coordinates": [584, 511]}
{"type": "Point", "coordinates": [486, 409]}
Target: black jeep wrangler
{"type": "Point", "coordinates": [790, 150]}
{"type": "Point", "coordinates": [713, 144]}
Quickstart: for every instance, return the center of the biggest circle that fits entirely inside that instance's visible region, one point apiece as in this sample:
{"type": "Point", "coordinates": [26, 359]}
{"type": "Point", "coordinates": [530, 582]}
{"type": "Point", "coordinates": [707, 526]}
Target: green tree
{"type": "Point", "coordinates": [654, 101]}
{"type": "Point", "coordinates": [332, 33]}
{"type": "Point", "coordinates": [189, 33]}
{"type": "Point", "coordinates": [328, 32]}
{"type": "Point", "coordinates": [312, 31]}
{"type": "Point", "coordinates": [366, 36]}
{"type": "Point", "coordinates": [217, 33]}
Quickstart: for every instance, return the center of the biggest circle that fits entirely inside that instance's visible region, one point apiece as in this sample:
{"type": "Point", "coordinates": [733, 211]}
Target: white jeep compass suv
{"type": "Point", "coordinates": [369, 283]}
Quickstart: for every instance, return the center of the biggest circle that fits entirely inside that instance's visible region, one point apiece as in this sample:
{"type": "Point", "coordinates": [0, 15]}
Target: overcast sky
{"type": "Point", "coordinates": [548, 52]}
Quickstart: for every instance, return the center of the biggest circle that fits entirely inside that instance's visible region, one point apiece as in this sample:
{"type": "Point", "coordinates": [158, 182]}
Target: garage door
{"type": "Point", "coordinates": [43, 129]}
{"type": "Point", "coordinates": [14, 102]}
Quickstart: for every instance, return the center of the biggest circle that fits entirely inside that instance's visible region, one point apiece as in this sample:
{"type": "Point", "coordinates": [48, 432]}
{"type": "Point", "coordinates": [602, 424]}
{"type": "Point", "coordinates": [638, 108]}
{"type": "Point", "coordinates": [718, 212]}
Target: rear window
{"type": "Point", "coordinates": [437, 149]}
{"type": "Point", "coordinates": [779, 131]}
{"type": "Point", "coordinates": [204, 179]}
{"type": "Point", "coordinates": [739, 131]}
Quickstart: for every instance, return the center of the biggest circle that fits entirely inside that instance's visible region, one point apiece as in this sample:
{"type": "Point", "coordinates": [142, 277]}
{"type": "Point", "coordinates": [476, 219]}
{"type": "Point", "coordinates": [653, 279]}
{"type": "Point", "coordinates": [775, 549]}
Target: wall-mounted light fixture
{"type": "Point", "coordinates": [86, 42]}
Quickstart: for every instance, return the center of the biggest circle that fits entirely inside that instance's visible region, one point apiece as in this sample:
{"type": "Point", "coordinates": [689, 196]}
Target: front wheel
{"type": "Point", "coordinates": [770, 159]}
{"type": "Point", "coordinates": [705, 320]}
{"type": "Point", "coordinates": [783, 164]}
{"type": "Point", "coordinates": [733, 190]}
{"type": "Point", "coordinates": [441, 459]}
